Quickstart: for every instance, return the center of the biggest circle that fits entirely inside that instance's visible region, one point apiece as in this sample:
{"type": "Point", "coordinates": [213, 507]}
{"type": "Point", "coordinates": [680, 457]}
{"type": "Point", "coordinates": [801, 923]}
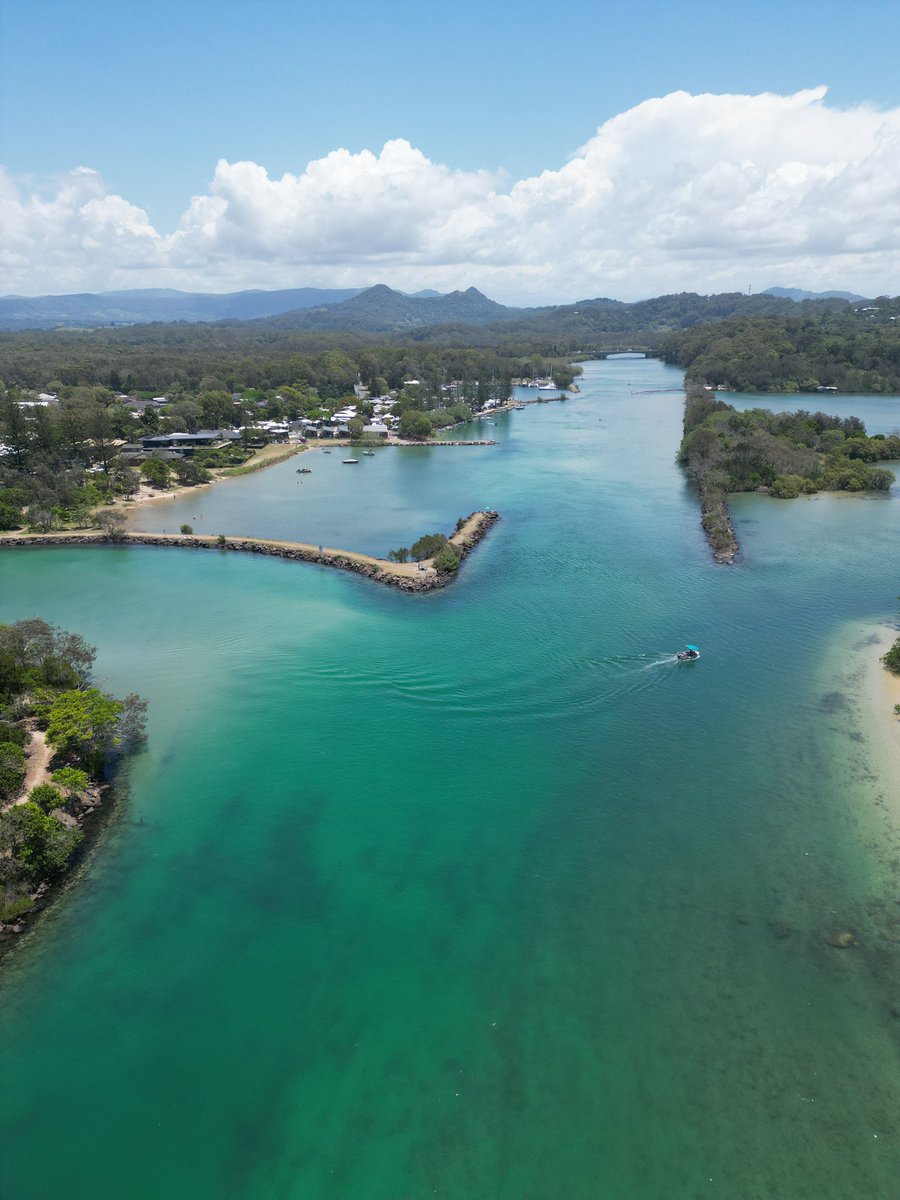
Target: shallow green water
{"type": "Point", "coordinates": [479, 895]}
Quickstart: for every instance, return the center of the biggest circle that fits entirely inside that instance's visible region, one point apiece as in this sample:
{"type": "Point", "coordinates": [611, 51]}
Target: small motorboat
{"type": "Point", "coordinates": [369, 453]}
{"type": "Point", "coordinates": [304, 470]}
{"type": "Point", "coordinates": [350, 460]}
{"type": "Point", "coordinates": [688, 654]}
{"type": "Point", "coordinates": [326, 451]}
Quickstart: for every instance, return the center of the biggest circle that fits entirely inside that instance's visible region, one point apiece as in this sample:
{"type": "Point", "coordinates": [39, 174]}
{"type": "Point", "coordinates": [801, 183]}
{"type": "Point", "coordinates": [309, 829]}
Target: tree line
{"type": "Point", "coordinates": [852, 350]}
{"type": "Point", "coordinates": [158, 359]}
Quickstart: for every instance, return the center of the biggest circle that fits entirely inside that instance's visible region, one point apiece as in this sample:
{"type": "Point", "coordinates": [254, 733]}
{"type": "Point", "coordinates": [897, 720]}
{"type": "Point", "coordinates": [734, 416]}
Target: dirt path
{"type": "Point", "coordinates": [36, 769]}
{"type": "Point", "coordinates": [39, 755]}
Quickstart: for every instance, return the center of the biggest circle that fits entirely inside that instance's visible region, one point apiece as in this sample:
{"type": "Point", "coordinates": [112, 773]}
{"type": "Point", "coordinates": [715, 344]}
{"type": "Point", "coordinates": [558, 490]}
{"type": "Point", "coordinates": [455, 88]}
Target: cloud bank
{"type": "Point", "coordinates": [699, 193]}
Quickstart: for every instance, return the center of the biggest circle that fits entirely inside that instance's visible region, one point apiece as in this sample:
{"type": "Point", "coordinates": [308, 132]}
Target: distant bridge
{"type": "Point", "coordinates": [641, 351]}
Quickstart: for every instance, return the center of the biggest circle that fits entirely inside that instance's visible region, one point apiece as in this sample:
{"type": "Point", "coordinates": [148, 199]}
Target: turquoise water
{"type": "Point", "coordinates": [478, 895]}
{"type": "Point", "coordinates": [381, 503]}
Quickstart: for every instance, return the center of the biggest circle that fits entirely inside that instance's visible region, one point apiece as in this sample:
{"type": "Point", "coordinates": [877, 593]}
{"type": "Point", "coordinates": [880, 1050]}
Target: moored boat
{"type": "Point", "coordinates": [350, 460]}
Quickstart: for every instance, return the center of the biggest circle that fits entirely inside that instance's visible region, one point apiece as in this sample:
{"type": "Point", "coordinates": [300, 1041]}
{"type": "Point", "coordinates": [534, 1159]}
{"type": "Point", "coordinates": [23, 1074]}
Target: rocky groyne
{"type": "Point", "coordinates": [718, 526]}
{"type": "Point", "coordinates": [406, 577]}
{"type": "Point", "coordinates": [445, 442]}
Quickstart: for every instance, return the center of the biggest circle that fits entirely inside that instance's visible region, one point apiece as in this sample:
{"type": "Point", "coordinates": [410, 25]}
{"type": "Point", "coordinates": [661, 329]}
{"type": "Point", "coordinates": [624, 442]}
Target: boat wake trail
{"type": "Point", "coordinates": [666, 660]}
{"type": "Point", "coordinates": [621, 675]}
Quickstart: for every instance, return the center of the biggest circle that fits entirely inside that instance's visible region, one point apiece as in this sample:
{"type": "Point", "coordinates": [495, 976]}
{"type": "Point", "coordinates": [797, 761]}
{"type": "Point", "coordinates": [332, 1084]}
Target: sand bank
{"type": "Point", "coordinates": [881, 693]}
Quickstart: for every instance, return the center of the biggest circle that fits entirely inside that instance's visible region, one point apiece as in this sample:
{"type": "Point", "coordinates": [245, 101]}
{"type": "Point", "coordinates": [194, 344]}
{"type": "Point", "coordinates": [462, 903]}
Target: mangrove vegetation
{"type": "Point", "coordinates": [777, 454]}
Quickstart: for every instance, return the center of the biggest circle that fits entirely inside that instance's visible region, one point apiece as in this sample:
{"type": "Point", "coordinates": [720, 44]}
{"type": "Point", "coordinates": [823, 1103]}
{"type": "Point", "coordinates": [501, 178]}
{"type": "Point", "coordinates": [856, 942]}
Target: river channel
{"type": "Point", "coordinates": [478, 894]}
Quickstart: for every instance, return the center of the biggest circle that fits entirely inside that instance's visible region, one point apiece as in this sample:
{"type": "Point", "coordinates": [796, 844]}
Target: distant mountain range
{"type": "Point", "coordinates": [144, 306]}
{"type": "Point", "coordinates": [798, 294]}
{"type": "Point", "coordinates": [381, 310]}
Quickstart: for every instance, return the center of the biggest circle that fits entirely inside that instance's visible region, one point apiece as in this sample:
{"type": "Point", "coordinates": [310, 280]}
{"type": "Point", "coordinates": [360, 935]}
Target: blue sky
{"type": "Point", "coordinates": [150, 97]}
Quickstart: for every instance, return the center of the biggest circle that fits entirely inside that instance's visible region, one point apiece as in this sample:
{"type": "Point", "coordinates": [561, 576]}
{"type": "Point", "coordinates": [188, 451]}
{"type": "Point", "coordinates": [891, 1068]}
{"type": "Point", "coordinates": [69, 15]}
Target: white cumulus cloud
{"type": "Point", "coordinates": [683, 192]}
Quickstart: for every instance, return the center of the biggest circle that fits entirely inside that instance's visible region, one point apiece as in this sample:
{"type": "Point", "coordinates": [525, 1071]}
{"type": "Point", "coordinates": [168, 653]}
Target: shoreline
{"type": "Point", "coordinates": [405, 577]}
{"type": "Point", "coordinates": [881, 691]}
{"type": "Point", "coordinates": [147, 495]}
{"type": "Point", "coordinates": [97, 809]}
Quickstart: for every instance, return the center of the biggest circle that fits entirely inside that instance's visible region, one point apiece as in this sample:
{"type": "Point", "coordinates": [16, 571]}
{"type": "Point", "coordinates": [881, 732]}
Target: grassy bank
{"type": "Point", "coordinates": [268, 456]}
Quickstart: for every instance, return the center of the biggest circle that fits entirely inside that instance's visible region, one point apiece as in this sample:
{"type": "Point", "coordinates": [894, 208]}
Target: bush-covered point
{"type": "Point", "coordinates": [787, 487]}
{"type": "Point", "coordinates": [892, 659]}
{"type": "Point", "coordinates": [38, 843]}
{"type": "Point", "coordinates": [44, 672]}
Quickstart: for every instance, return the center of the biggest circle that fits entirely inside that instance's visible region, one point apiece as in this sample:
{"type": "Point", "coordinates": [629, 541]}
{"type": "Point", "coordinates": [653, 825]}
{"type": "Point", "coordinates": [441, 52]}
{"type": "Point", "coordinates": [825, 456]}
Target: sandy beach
{"type": "Point", "coordinates": [882, 692]}
{"type": "Point", "coordinates": [267, 456]}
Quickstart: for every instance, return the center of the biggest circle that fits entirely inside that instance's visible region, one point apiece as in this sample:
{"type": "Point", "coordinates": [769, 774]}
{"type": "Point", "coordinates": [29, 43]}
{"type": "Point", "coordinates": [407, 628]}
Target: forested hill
{"type": "Point", "coordinates": [382, 310]}
{"type": "Point", "coordinates": [160, 354]}
{"type": "Point", "coordinates": [853, 349]}
{"type": "Point", "coordinates": [612, 324]}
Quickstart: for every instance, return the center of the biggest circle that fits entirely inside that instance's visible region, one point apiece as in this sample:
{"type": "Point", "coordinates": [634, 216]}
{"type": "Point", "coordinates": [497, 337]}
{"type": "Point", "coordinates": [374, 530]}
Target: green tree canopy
{"type": "Point", "coordinates": [45, 796]}
{"type": "Point", "coordinates": [12, 770]}
{"type": "Point", "coordinates": [39, 843]}
{"type": "Point", "coordinates": [84, 723]}
{"type": "Point", "coordinates": [72, 779]}
{"type": "Point", "coordinates": [428, 545]}
{"type": "Point", "coordinates": [415, 425]}
{"type": "Point", "coordinates": [156, 472]}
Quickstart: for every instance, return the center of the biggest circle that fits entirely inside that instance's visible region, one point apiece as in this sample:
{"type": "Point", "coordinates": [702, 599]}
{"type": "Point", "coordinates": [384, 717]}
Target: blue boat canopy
{"type": "Point", "coordinates": [697, 648]}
